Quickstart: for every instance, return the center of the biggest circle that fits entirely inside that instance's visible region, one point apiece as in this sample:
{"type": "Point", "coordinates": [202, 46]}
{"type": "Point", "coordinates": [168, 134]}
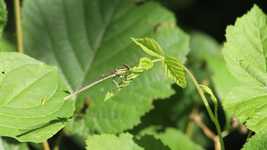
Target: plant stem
{"type": "Point", "coordinates": [19, 31]}
{"type": "Point", "coordinates": [117, 72]}
{"type": "Point", "coordinates": [156, 60]}
{"type": "Point", "coordinates": [206, 103]}
{"type": "Point", "coordinates": [46, 145]}
{"type": "Point", "coordinates": [197, 119]}
{"type": "Point", "coordinates": [93, 84]}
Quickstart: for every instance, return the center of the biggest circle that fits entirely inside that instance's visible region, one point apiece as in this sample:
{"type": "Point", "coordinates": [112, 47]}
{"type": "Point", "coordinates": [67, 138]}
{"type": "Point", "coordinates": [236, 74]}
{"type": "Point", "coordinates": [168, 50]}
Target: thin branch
{"type": "Point", "coordinates": [213, 117]}
{"type": "Point", "coordinates": [117, 72]}
{"type": "Point", "coordinates": [89, 86]}
{"type": "Point", "coordinates": [197, 119]}
{"type": "Point", "coordinates": [46, 145]}
{"type": "Point", "coordinates": [19, 30]}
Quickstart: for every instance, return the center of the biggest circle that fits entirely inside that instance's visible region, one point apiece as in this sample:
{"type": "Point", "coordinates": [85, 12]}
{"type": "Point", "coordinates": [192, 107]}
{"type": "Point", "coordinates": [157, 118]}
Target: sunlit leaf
{"type": "Point", "coordinates": [175, 70]}
{"type": "Point", "coordinates": [31, 99]}
{"type": "Point", "coordinates": [245, 55]}
{"type": "Point", "coordinates": [150, 46]}
{"type": "Point", "coordinates": [111, 142]}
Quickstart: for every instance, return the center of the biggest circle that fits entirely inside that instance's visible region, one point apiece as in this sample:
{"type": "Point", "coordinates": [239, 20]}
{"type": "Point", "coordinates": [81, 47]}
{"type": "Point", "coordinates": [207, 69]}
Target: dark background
{"type": "Point", "coordinates": [211, 16]}
{"type": "Point", "coordinates": [208, 16]}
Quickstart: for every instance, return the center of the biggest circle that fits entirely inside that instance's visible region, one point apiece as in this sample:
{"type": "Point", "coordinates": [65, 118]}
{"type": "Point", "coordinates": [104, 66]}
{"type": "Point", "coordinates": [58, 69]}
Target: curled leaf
{"type": "Point", "coordinates": [144, 64]}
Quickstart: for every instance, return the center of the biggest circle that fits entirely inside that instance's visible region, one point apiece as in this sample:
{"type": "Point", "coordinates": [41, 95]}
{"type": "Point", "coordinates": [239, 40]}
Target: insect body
{"type": "Point", "coordinates": [125, 75]}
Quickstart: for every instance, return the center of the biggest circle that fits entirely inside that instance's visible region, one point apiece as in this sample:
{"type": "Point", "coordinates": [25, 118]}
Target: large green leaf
{"type": "Point", "coordinates": [245, 55]}
{"type": "Point", "coordinates": [31, 99]}
{"type": "Point", "coordinates": [93, 39]}
{"type": "Point", "coordinates": [256, 142]}
{"type": "Point", "coordinates": [111, 142]}
{"type": "Point", "coordinates": [244, 50]}
{"type": "Point", "coordinates": [172, 138]}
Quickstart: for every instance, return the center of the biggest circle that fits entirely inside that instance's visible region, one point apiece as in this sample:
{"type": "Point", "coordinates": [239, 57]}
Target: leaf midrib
{"type": "Point", "coordinates": [28, 86]}
{"type": "Point", "coordinates": [87, 70]}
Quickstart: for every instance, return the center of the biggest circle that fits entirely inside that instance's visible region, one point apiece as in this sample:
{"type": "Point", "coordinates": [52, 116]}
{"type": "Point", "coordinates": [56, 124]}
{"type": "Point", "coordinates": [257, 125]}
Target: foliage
{"type": "Point", "coordinates": [249, 68]}
{"type": "Point", "coordinates": [172, 138]}
{"type": "Point", "coordinates": [108, 141]}
{"type": "Point", "coordinates": [32, 105]}
{"type": "Point", "coordinates": [90, 58]}
{"type": "Point", "coordinates": [116, 74]}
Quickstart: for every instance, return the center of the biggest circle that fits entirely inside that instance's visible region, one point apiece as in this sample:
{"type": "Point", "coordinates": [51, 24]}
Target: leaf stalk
{"type": "Point", "coordinates": [213, 117]}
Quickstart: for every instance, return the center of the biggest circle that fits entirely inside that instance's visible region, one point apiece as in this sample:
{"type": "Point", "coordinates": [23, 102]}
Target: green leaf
{"type": "Point", "coordinates": [256, 142]}
{"type": "Point", "coordinates": [3, 16]}
{"type": "Point", "coordinates": [208, 91]}
{"type": "Point", "coordinates": [245, 48]}
{"type": "Point", "coordinates": [94, 39]}
{"type": "Point", "coordinates": [148, 142]}
{"type": "Point", "coordinates": [245, 55]}
{"type": "Point", "coordinates": [31, 99]}
{"type": "Point", "coordinates": [150, 46]}
{"type": "Point", "coordinates": [111, 142]}
{"type": "Point", "coordinates": [172, 138]}
{"type": "Point", "coordinates": [144, 64]}
{"type": "Point", "coordinates": [175, 70]}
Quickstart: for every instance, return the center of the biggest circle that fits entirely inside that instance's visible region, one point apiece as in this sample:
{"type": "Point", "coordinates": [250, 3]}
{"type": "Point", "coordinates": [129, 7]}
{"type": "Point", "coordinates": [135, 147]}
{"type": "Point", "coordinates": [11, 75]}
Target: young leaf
{"type": "Point", "coordinates": [125, 79]}
{"type": "Point", "coordinates": [31, 99]}
{"type": "Point", "coordinates": [144, 64]}
{"type": "Point", "coordinates": [245, 55]}
{"type": "Point", "coordinates": [111, 142]}
{"type": "Point", "coordinates": [207, 90]}
{"type": "Point", "coordinates": [87, 43]}
{"type": "Point", "coordinates": [150, 46]}
{"type": "Point", "coordinates": [175, 70]}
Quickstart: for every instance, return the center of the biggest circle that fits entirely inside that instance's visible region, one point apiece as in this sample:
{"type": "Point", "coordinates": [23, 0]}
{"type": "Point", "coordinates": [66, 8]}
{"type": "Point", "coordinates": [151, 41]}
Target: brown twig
{"type": "Point", "coordinates": [197, 119]}
{"type": "Point", "coordinates": [19, 31]}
